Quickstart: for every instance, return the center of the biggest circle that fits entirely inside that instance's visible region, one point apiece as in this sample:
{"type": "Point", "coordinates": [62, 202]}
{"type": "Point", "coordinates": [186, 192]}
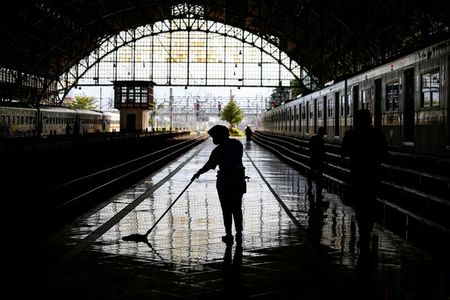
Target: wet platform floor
{"type": "Point", "coordinates": [308, 252]}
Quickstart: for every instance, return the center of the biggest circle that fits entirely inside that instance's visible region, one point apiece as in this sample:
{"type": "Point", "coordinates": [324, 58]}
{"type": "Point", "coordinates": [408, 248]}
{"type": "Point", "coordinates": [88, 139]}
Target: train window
{"type": "Point", "coordinates": [311, 110]}
{"type": "Point", "coordinates": [330, 108]}
{"type": "Point", "coordinates": [392, 92]}
{"type": "Point", "coordinates": [430, 89]}
{"type": "Point", "coordinates": [319, 109]}
{"type": "Point", "coordinates": [366, 99]}
{"type": "Point", "coordinates": [342, 105]}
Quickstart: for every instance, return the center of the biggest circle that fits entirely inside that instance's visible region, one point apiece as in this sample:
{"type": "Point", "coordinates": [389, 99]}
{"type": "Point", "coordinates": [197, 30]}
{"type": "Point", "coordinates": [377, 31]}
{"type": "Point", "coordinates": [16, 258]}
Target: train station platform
{"type": "Point", "coordinates": [292, 246]}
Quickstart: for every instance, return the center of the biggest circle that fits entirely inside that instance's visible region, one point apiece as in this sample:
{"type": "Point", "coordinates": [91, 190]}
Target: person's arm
{"type": "Point", "coordinates": [209, 165]}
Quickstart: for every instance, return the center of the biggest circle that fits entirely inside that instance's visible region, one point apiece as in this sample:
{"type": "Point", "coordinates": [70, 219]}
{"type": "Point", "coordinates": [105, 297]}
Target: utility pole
{"type": "Point", "coordinates": [170, 110]}
{"type": "Point", "coordinates": [100, 98]}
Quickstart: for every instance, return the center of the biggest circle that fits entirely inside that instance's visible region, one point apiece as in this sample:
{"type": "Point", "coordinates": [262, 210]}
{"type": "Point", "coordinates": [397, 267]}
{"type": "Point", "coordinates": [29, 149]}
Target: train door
{"type": "Point", "coordinates": [336, 114]}
{"type": "Point", "coordinates": [448, 100]}
{"type": "Point", "coordinates": [314, 109]}
{"type": "Point", "coordinates": [408, 107]}
{"type": "Point", "coordinates": [38, 122]}
{"type": "Point", "coordinates": [104, 122]}
{"type": "Point", "coordinates": [295, 118]}
{"type": "Point", "coordinates": [325, 111]}
{"type": "Point", "coordinates": [77, 125]}
{"type": "Point", "coordinates": [355, 97]}
{"type": "Point", "coordinates": [307, 117]}
{"type": "Point", "coordinates": [131, 122]}
{"type": "Point", "coordinates": [300, 118]}
{"type": "Point", "coordinates": [377, 104]}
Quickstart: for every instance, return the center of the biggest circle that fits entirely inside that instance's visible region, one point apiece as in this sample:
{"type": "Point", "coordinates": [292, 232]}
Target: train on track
{"type": "Point", "coordinates": [409, 99]}
{"type": "Point", "coordinates": [54, 120]}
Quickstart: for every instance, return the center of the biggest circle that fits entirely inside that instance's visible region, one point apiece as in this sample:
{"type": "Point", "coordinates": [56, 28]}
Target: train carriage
{"type": "Point", "coordinates": [408, 99]}
{"type": "Point", "coordinates": [111, 121]}
{"type": "Point", "coordinates": [17, 122]}
{"type": "Point", "coordinates": [54, 120]}
{"type": "Point", "coordinates": [57, 120]}
{"type": "Point", "coordinates": [89, 121]}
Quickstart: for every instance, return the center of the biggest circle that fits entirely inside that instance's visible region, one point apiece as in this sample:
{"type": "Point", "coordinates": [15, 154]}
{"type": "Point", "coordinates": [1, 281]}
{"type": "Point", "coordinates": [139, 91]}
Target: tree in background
{"type": "Point", "coordinates": [232, 113]}
{"type": "Point", "coordinates": [279, 96]}
{"type": "Point", "coordinates": [80, 102]}
{"type": "Point", "coordinates": [298, 88]}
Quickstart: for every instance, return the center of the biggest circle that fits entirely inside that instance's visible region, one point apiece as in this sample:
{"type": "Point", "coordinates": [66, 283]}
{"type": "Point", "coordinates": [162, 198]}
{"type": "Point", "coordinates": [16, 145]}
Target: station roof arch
{"type": "Point", "coordinates": [328, 38]}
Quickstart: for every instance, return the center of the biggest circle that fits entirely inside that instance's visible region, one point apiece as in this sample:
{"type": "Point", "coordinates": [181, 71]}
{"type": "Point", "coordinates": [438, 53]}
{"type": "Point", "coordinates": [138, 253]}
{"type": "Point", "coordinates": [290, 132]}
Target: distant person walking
{"type": "Point", "coordinates": [366, 148]}
{"type": "Point", "coordinates": [317, 161]}
{"type": "Point", "coordinates": [230, 183]}
{"type": "Point", "coordinates": [248, 133]}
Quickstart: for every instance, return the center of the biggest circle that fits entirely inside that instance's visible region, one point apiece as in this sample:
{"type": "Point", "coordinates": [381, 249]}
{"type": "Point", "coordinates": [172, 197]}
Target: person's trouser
{"type": "Point", "coordinates": [364, 203]}
{"type": "Point", "coordinates": [317, 175]}
{"type": "Point", "coordinates": [231, 203]}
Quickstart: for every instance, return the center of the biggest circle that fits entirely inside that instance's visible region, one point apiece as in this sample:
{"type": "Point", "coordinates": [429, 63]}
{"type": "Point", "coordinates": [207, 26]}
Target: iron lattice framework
{"type": "Point", "coordinates": [44, 39]}
{"type": "Point", "coordinates": [187, 52]}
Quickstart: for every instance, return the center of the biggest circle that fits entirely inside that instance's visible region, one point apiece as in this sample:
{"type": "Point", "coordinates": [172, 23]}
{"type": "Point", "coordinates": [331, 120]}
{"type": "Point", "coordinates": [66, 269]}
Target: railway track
{"type": "Point", "coordinates": [54, 206]}
{"type": "Point", "coordinates": [94, 235]}
{"type": "Point", "coordinates": [414, 200]}
{"type": "Point", "coordinates": [187, 241]}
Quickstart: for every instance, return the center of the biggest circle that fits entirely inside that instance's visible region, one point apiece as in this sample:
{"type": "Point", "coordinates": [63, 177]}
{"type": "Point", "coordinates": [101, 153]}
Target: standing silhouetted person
{"type": "Point", "coordinates": [366, 148]}
{"type": "Point", "coordinates": [230, 184]}
{"type": "Point", "coordinates": [317, 161]}
{"type": "Point", "coordinates": [248, 133]}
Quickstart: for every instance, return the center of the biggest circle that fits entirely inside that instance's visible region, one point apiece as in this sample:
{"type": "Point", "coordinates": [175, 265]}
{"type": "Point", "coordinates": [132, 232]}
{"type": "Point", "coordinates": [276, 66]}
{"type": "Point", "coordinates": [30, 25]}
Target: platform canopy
{"type": "Point", "coordinates": [329, 38]}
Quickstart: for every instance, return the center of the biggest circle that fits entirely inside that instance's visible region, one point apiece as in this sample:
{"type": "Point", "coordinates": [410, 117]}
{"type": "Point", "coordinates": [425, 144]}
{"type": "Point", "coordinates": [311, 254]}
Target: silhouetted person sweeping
{"type": "Point", "coordinates": [317, 161]}
{"type": "Point", "coordinates": [366, 148]}
{"type": "Point", "coordinates": [230, 184]}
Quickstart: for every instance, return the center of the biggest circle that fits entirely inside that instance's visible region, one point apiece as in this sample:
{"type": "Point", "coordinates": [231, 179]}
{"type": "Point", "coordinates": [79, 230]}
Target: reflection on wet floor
{"type": "Point", "coordinates": [187, 241]}
{"type": "Point", "coordinates": [191, 231]}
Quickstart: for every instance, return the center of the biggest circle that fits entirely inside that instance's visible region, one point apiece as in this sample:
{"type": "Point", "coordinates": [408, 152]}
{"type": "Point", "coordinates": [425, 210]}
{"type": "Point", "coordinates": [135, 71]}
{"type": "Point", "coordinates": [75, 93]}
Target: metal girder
{"type": "Point", "coordinates": [330, 38]}
{"type": "Point", "coordinates": [267, 45]}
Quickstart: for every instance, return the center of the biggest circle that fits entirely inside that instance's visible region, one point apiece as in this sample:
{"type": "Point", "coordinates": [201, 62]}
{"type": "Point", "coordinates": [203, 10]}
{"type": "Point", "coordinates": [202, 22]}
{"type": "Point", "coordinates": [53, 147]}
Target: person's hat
{"type": "Point", "coordinates": [219, 131]}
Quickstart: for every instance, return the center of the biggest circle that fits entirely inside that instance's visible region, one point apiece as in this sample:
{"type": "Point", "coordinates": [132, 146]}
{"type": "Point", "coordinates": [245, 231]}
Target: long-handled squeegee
{"type": "Point", "coordinates": [143, 237]}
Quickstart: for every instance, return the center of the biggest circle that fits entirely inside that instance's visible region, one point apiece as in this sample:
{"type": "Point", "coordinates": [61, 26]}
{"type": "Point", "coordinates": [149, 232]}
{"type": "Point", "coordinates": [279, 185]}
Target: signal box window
{"type": "Point", "coordinates": [430, 90]}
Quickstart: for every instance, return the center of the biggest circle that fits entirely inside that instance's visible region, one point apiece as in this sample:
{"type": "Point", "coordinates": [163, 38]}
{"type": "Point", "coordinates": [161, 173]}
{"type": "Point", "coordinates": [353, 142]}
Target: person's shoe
{"type": "Point", "coordinates": [227, 239]}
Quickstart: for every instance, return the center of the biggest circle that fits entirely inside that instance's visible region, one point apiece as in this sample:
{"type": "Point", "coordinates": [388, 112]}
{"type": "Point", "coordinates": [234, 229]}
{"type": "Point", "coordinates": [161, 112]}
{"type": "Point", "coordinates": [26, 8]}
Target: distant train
{"type": "Point", "coordinates": [51, 120]}
{"type": "Point", "coordinates": [409, 99]}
